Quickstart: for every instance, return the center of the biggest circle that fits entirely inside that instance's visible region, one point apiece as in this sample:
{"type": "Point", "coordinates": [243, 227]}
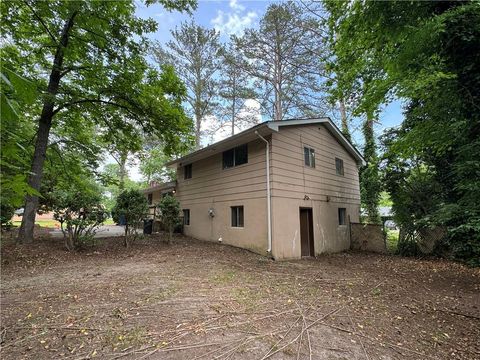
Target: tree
{"type": "Point", "coordinates": [93, 53]}
{"type": "Point", "coordinates": [235, 90]}
{"type": "Point", "coordinates": [152, 166]}
{"type": "Point", "coordinates": [370, 182]}
{"type": "Point", "coordinates": [195, 51]}
{"type": "Point", "coordinates": [283, 57]}
{"type": "Point", "coordinates": [132, 206]}
{"type": "Point", "coordinates": [425, 53]}
{"type": "Point", "coordinates": [111, 180]}
{"type": "Point", "coordinates": [170, 214]}
{"type": "Point", "coordinates": [15, 135]}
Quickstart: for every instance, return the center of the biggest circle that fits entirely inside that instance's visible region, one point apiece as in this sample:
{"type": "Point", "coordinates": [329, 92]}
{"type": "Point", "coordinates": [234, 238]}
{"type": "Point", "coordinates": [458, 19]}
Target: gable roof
{"type": "Point", "coordinates": [264, 129]}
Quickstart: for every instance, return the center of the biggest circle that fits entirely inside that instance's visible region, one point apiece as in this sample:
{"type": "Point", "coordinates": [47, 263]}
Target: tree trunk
{"type": "Point", "coordinates": [25, 234]}
{"type": "Point", "coordinates": [343, 115]}
{"type": "Point", "coordinates": [123, 171]}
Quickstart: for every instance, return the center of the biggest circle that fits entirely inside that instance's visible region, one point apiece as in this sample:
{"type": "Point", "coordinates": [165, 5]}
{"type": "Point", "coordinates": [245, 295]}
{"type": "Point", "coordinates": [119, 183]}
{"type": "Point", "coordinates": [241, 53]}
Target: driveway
{"type": "Point", "coordinates": [103, 231]}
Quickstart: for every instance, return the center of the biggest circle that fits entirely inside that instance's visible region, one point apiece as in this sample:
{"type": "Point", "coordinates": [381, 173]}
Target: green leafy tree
{"type": "Point", "coordinates": [152, 166]}
{"type": "Point", "coordinates": [427, 54]}
{"type": "Point", "coordinates": [370, 182]}
{"type": "Point", "coordinates": [88, 58]}
{"type": "Point", "coordinates": [132, 206]}
{"type": "Point", "coordinates": [16, 133]}
{"type": "Point", "coordinates": [170, 214]}
{"type": "Point", "coordinates": [110, 178]}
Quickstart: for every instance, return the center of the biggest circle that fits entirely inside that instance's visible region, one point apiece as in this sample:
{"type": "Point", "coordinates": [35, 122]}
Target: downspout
{"type": "Point", "coordinates": [269, 211]}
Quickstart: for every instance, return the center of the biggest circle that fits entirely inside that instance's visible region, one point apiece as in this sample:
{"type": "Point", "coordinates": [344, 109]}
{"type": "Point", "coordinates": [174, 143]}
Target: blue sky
{"type": "Point", "coordinates": [231, 17]}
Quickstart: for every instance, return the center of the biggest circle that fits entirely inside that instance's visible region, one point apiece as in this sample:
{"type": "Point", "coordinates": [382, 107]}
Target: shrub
{"type": "Point", "coordinates": [132, 206]}
{"type": "Point", "coordinates": [6, 214]}
{"type": "Point", "coordinates": [170, 214]}
{"type": "Point", "coordinates": [80, 213]}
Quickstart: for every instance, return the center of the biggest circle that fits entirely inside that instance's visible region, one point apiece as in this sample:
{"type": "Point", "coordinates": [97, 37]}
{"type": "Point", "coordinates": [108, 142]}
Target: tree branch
{"type": "Point", "coordinates": [41, 21]}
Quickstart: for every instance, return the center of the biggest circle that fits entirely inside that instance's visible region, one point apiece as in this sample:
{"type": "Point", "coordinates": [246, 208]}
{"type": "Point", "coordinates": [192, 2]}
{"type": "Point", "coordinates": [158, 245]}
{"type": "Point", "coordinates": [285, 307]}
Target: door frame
{"type": "Point", "coordinates": [311, 234]}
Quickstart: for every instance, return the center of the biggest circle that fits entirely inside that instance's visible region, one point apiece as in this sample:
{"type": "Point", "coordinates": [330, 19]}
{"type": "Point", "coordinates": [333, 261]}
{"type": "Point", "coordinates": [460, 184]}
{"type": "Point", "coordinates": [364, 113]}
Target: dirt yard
{"type": "Point", "coordinates": [197, 300]}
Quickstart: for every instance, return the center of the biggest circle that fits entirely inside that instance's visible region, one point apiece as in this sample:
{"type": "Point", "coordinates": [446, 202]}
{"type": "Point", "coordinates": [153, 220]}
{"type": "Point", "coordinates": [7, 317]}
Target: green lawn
{"type": "Point", "coordinates": [49, 223]}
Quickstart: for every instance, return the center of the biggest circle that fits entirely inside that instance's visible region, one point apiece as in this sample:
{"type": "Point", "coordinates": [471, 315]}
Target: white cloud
{"type": "Point", "coordinates": [235, 21]}
{"type": "Point", "coordinates": [236, 6]}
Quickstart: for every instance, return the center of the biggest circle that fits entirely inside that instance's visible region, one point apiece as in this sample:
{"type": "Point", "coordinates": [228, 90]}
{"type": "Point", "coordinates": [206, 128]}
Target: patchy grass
{"type": "Point", "coordinates": [197, 299]}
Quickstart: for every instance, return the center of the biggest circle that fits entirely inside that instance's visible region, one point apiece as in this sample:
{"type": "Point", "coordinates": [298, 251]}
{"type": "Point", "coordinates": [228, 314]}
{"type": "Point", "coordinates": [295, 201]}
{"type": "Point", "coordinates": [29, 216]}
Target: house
{"type": "Point", "coordinates": [282, 188]}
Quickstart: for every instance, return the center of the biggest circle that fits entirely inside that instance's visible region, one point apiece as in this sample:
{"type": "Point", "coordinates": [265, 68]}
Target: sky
{"type": "Point", "coordinates": [231, 17]}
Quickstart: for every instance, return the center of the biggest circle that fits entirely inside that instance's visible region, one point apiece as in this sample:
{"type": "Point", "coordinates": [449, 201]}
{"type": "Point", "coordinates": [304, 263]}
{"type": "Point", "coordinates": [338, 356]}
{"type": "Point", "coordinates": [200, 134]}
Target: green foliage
{"type": "Point", "coordinates": [80, 213]}
{"type": "Point", "coordinates": [170, 214]}
{"type": "Point", "coordinates": [87, 59]}
{"type": "Point", "coordinates": [427, 54]}
{"type": "Point", "coordinates": [152, 166]}
{"type": "Point", "coordinates": [16, 93]}
{"type": "Point", "coordinates": [110, 177]}
{"type": "Point", "coordinates": [132, 206]}
{"type": "Point", "coordinates": [370, 184]}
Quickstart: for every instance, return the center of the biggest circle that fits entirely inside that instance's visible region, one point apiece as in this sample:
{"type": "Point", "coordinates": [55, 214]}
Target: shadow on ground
{"type": "Point", "coordinates": [198, 300]}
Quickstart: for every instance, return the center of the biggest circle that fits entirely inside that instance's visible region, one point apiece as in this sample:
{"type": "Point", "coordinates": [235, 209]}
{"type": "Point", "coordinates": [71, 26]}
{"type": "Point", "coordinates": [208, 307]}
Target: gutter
{"type": "Point", "coordinates": [269, 210]}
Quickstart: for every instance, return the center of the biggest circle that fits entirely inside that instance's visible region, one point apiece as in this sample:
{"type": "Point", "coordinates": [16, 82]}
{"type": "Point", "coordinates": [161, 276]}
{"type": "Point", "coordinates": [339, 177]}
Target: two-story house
{"type": "Point", "coordinates": [286, 188]}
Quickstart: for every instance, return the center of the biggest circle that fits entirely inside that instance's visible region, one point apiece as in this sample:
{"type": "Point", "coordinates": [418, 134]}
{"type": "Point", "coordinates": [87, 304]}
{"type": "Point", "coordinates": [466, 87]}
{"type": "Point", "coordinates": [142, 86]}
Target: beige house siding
{"type": "Point", "coordinates": [295, 185]}
{"type": "Point", "coordinates": [212, 187]}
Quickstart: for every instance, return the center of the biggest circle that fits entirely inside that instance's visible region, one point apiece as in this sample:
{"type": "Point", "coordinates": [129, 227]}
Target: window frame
{"type": "Point", "coordinates": [234, 161]}
{"type": "Point", "coordinates": [342, 216]}
{"type": "Point", "coordinates": [309, 154]}
{"type": "Point", "coordinates": [185, 218]}
{"type": "Point", "coordinates": [339, 171]}
{"type": "Point", "coordinates": [237, 216]}
{"type": "Point", "coordinates": [150, 199]}
{"type": "Point", "coordinates": [187, 174]}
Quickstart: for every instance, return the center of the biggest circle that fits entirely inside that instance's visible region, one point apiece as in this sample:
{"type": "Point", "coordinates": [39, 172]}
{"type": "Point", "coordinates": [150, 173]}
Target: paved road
{"type": "Point", "coordinates": [103, 231]}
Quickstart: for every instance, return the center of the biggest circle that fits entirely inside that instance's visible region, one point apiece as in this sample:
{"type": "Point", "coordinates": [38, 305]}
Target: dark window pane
{"type": "Point", "coordinates": [342, 215]}
{"type": "Point", "coordinates": [339, 166]}
{"type": "Point", "coordinates": [228, 159]}
{"type": "Point", "coordinates": [307, 156]}
{"type": "Point", "coordinates": [240, 216]}
{"type": "Point", "coordinates": [150, 199]}
{"type": "Point", "coordinates": [237, 216]}
{"type": "Point", "coordinates": [186, 217]}
{"type": "Point", "coordinates": [187, 171]}
{"type": "Point", "coordinates": [241, 155]}
{"type": "Point", "coordinates": [234, 216]}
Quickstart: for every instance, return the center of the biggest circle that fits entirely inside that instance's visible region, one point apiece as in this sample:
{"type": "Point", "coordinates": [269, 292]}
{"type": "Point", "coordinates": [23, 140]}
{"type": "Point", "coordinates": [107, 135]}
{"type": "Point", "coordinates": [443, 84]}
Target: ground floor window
{"type": "Point", "coordinates": [342, 216]}
{"type": "Point", "coordinates": [186, 216]}
{"type": "Point", "coordinates": [237, 216]}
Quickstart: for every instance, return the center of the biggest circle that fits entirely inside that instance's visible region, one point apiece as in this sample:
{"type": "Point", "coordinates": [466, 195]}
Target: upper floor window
{"type": "Point", "coordinates": [237, 216]}
{"type": "Point", "coordinates": [309, 154]}
{"type": "Point", "coordinates": [187, 171]}
{"type": "Point", "coordinates": [342, 216]}
{"type": "Point", "coordinates": [150, 199]}
{"type": "Point", "coordinates": [339, 166]}
{"type": "Point", "coordinates": [236, 156]}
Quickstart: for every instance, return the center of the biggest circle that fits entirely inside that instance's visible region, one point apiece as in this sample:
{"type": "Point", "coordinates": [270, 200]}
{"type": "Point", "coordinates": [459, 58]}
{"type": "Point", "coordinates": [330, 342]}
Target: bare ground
{"type": "Point", "coordinates": [198, 300]}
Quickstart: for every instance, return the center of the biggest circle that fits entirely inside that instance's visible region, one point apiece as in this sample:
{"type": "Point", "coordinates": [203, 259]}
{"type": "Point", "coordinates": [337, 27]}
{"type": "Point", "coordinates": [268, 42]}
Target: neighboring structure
{"type": "Point", "coordinates": [286, 188]}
